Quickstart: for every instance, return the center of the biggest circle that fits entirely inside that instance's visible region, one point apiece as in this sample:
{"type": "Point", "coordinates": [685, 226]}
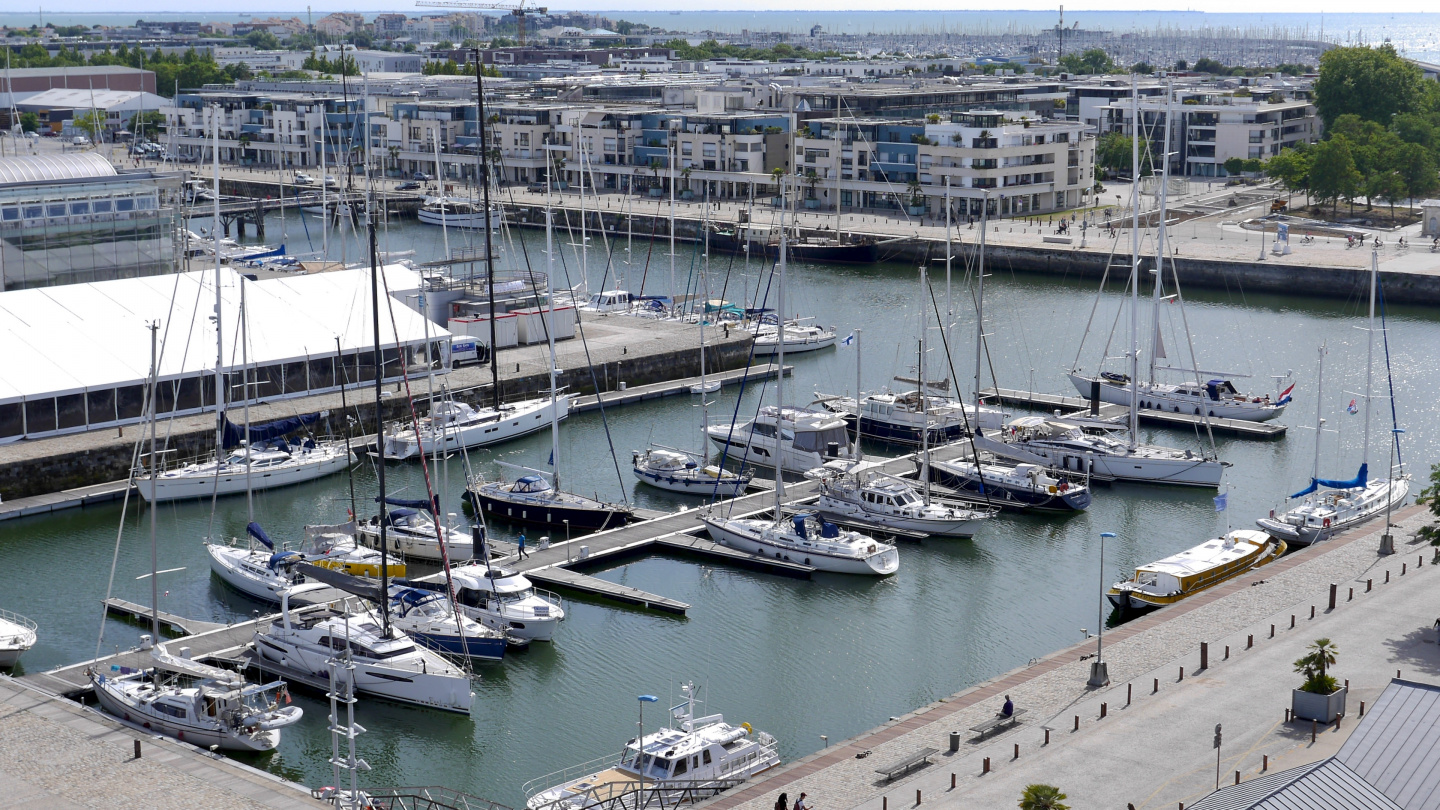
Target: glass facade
{"type": "Point", "coordinates": [85, 230]}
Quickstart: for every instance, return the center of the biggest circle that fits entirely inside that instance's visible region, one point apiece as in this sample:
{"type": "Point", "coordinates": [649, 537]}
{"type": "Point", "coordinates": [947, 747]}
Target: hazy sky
{"type": "Point", "coordinates": [237, 6]}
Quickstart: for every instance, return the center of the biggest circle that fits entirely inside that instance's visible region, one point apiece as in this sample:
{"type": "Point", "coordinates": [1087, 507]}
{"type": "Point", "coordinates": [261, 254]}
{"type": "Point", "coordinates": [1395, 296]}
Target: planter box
{"type": "Point", "coordinates": [812, 203]}
{"type": "Point", "coordinates": [1310, 706]}
{"type": "Point", "coordinates": [916, 210]}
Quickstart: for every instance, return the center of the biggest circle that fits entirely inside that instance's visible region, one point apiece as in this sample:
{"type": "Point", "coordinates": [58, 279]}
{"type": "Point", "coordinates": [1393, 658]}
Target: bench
{"type": "Point", "coordinates": [998, 721]}
{"type": "Point", "coordinates": [910, 763]}
{"type": "Point", "coordinates": [1059, 240]}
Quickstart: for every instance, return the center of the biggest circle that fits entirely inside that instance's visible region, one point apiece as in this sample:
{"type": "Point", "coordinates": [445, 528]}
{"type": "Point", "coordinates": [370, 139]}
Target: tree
{"type": "Point", "coordinates": [1042, 797]}
{"type": "Point", "coordinates": [146, 124]}
{"type": "Point", "coordinates": [1092, 60]}
{"type": "Point", "coordinates": [1181, 64]}
{"type": "Point", "coordinates": [1430, 496]}
{"type": "Point", "coordinates": [1416, 166]}
{"type": "Point", "coordinates": [1113, 150]}
{"type": "Point", "coordinates": [1234, 166]}
{"type": "Point", "coordinates": [1142, 67]}
{"type": "Point", "coordinates": [1207, 65]}
{"type": "Point", "coordinates": [262, 40]}
{"type": "Point", "coordinates": [1386, 185]}
{"type": "Point", "coordinates": [1291, 167]}
{"type": "Point", "coordinates": [91, 123]}
{"type": "Point", "coordinates": [29, 122]}
{"type": "Point", "coordinates": [1332, 171]}
{"type": "Point", "coordinates": [1314, 664]}
{"type": "Point", "coordinates": [1373, 83]}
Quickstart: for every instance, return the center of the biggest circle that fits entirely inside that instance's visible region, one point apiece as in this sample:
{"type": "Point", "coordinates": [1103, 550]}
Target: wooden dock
{"type": "Point", "coordinates": [64, 499]}
{"type": "Point", "coordinates": [640, 393]}
{"type": "Point", "coordinates": [1110, 412]}
{"type": "Point", "coordinates": [141, 615]}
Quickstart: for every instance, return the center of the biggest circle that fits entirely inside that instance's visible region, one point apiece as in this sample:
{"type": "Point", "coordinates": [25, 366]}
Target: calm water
{"type": "Point", "coordinates": [833, 656]}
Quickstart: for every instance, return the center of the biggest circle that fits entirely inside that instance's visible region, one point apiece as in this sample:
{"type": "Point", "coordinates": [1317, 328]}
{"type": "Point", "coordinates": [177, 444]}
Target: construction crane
{"type": "Point", "coordinates": [518, 9]}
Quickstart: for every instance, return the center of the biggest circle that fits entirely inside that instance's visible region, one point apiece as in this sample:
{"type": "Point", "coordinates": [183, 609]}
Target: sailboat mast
{"type": "Point", "coordinates": [444, 203]}
{"type": "Point", "coordinates": [924, 411]}
{"type": "Point", "coordinates": [1155, 343]}
{"type": "Point", "coordinates": [154, 474]}
{"type": "Point", "coordinates": [484, 179]}
{"type": "Point", "coordinates": [345, 409]}
{"type": "Point", "coordinates": [219, 333]}
{"type": "Point", "coordinates": [550, 334]}
{"type": "Point", "coordinates": [839, 151]}
{"type": "Point", "coordinates": [980, 298]}
{"type": "Point", "coordinates": [1134, 260]}
{"type": "Point", "coordinates": [949, 300]}
{"type": "Point", "coordinates": [245, 399]}
{"type": "Point", "coordinates": [780, 360]}
{"type": "Point", "coordinates": [1319, 410]}
{"type": "Point", "coordinates": [380, 424]}
{"type": "Point", "coordinates": [1370, 353]}
{"type": "Point", "coordinates": [674, 156]}
{"type": "Point", "coordinates": [859, 401]}
{"type": "Point", "coordinates": [705, 285]}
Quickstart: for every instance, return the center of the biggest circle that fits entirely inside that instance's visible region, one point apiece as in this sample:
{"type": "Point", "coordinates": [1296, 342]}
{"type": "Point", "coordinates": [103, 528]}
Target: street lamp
{"type": "Point", "coordinates": [640, 745]}
{"type": "Point", "coordinates": [1387, 541]}
{"type": "Point", "coordinates": [1099, 673]}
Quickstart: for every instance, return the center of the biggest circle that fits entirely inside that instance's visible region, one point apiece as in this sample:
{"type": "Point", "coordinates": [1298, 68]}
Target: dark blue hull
{"type": "Point", "coordinates": [580, 518]}
{"type": "Point", "coordinates": [904, 434]}
{"type": "Point", "coordinates": [485, 648]}
{"type": "Point", "coordinates": [1076, 499]}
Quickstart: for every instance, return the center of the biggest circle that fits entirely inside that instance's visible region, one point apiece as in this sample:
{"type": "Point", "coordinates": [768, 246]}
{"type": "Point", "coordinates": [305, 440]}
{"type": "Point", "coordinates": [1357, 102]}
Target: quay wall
{"type": "Point", "coordinates": [79, 460]}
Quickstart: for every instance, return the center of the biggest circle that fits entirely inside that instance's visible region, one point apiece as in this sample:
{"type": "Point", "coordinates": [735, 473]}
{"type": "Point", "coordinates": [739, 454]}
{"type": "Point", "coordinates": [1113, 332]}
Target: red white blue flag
{"type": "Point", "coordinates": [1285, 395]}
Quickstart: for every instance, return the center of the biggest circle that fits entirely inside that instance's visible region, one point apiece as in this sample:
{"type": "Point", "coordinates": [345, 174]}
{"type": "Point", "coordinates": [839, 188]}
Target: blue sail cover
{"type": "Point", "coordinates": [269, 430]}
{"type": "Point", "coordinates": [1354, 483]}
{"type": "Point", "coordinates": [258, 533]}
{"type": "Point", "coordinates": [433, 508]}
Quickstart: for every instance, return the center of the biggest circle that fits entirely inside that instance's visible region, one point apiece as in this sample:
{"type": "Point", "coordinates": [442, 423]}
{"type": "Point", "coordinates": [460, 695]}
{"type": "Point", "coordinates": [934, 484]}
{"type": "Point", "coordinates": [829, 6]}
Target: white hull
{"type": "Point", "coordinates": [768, 346]}
{"type": "Point", "coordinates": [528, 627]}
{"type": "Point", "coordinates": [760, 451]}
{"type": "Point", "coordinates": [225, 561]}
{"type": "Point", "coordinates": [444, 692]}
{"type": "Point", "coordinates": [1160, 400]}
{"type": "Point", "coordinates": [521, 419]}
{"type": "Point", "coordinates": [17, 634]}
{"type": "Point", "coordinates": [1120, 466]}
{"type": "Point", "coordinates": [198, 482]}
{"type": "Point", "coordinates": [748, 536]}
{"type": "Point", "coordinates": [197, 735]}
{"type": "Point", "coordinates": [1305, 529]}
{"type": "Point", "coordinates": [845, 510]}
{"type": "Point", "coordinates": [456, 220]}
{"type": "Point", "coordinates": [416, 546]}
{"type": "Point", "coordinates": [693, 482]}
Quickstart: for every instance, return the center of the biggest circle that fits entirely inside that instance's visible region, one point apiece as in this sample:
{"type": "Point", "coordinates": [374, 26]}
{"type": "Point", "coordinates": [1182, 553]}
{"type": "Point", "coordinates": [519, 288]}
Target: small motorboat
{"type": "Point", "coordinates": [678, 471]}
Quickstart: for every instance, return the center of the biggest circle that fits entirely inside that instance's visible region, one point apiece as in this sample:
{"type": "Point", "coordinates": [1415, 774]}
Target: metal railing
{"type": "Point", "coordinates": [635, 795]}
{"type": "Point", "coordinates": [409, 798]}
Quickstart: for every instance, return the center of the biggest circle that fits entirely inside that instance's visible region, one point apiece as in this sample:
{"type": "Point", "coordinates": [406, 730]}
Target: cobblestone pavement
{"type": "Point", "coordinates": [1054, 689]}
{"type": "Point", "coordinates": [57, 755]}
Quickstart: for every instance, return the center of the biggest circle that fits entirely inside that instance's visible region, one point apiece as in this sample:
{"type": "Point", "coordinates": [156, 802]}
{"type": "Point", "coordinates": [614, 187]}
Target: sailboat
{"type": "Point", "coordinates": [535, 496]}
{"type": "Point", "coordinates": [1054, 442]}
{"type": "Point", "coordinates": [412, 530]}
{"type": "Point", "coordinates": [1327, 507]}
{"type": "Point", "coordinates": [804, 538]}
{"type": "Point", "coordinates": [193, 702]}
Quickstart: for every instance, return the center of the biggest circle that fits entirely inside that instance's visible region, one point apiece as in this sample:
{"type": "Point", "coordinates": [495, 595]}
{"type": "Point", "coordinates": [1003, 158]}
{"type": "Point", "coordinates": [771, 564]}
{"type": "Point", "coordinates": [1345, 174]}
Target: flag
{"type": "Point", "coordinates": [1352, 408]}
{"type": "Point", "coordinates": [1285, 395]}
{"type": "Point", "coordinates": [1221, 501]}
{"type": "Point", "coordinates": [850, 338]}
{"type": "Point", "coordinates": [552, 457]}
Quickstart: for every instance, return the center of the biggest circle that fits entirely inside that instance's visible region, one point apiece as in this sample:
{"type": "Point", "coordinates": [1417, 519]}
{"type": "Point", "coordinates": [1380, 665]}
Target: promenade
{"type": "Point", "coordinates": [1150, 745]}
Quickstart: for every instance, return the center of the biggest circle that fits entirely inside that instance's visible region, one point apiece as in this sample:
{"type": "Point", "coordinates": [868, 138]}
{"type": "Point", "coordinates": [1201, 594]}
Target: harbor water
{"type": "Point", "coordinates": [833, 656]}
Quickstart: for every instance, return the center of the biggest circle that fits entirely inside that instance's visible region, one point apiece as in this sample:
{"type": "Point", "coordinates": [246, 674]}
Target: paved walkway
{"type": "Point", "coordinates": [58, 755]}
{"type": "Point", "coordinates": [1158, 752]}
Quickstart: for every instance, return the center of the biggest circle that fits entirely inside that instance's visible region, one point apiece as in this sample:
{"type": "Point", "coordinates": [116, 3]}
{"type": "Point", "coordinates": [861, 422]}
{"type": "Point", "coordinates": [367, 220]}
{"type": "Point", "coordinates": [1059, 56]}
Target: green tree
{"type": "Point", "coordinates": [1112, 151]}
{"type": "Point", "coordinates": [1042, 797]}
{"type": "Point", "coordinates": [1207, 65]}
{"type": "Point", "coordinates": [1291, 167]}
{"type": "Point", "coordinates": [1142, 67]}
{"type": "Point", "coordinates": [1181, 64]}
{"type": "Point", "coordinates": [1416, 166]}
{"type": "Point", "coordinates": [1092, 60]}
{"type": "Point", "coordinates": [1332, 171]}
{"type": "Point", "coordinates": [262, 40]}
{"type": "Point", "coordinates": [1386, 185]}
{"type": "Point", "coordinates": [29, 122]}
{"type": "Point", "coordinates": [91, 123]}
{"type": "Point", "coordinates": [1313, 666]}
{"type": "Point", "coordinates": [1430, 497]}
{"type": "Point", "coordinates": [1372, 83]}
{"type": "Point", "coordinates": [1234, 166]}
{"type": "Point", "coordinates": [147, 124]}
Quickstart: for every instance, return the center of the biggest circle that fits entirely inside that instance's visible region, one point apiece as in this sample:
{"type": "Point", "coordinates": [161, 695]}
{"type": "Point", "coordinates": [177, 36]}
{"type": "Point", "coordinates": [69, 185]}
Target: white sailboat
{"type": "Point", "coordinates": [803, 538]}
{"type": "Point", "coordinates": [17, 634]}
{"type": "Point", "coordinates": [454, 425]}
{"type": "Point", "coordinates": [1327, 507]}
{"type": "Point", "coordinates": [412, 533]}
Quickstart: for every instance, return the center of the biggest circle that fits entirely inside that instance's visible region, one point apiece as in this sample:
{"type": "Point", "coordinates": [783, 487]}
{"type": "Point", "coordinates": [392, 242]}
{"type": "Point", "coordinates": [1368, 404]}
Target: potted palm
{"type": "Point", "coordinates": [778, 174]}
{"type": "Point", "coordinates": [688, 193]}
{"type": "Point", "coordinates": [811, 180]}
{"type": "Point", "coordinates": [917, 199]}
{"type": "Point", "coordinates": [1321, 698]}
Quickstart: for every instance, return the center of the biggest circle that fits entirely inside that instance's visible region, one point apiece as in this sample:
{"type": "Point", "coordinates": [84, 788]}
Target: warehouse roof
{"type": "Point", "coordinates": [49, 168]}
{"type": "Point", "coordinates": [57, 340]}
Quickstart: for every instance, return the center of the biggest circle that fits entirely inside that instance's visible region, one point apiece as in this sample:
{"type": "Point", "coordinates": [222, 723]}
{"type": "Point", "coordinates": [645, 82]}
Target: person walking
{"type": "Point", "coordinates": [800, 803]}
{"type": "Point", "coordinates": [782, 803]}
{"type": "Point", "coordinates": [521, 542]}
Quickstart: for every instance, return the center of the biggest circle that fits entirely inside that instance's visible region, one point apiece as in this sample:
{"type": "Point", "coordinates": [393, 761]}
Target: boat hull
{"type": "Point", "coordinates": [487, 648]}
{"type": "Point", "coordinates": [738, 536]}
{"type": "Point", "coordinates": [1076, 499]}
{"type": "Point", "coordinates": [1116, 394]}
{"type": "Point", "coordinates": [864, 253]}
{"type": "Point", "coordinates": [1195, 471]}
{"type": "Point", "coordinates": [580, 518]}
{"type": "Point", "coordinates": [768, 348]}
{"type": "Point", "coordinates": [180, 485]}
{"type": "Point", "coordinates": [194, 734]}
{"type": "Point", "coordinates": [1310, 534]}
{"type": "Point", "coordinates": [1127, 599]}
{"type": "Point", "coordinates": [524, 418]}
{"type": "Point", "coordinates": [400, 685]}
{"type": "Point", "coordinates": [702, 485]}
{"type": "Point", "coordinates": [475, 220]}
{"type": "Point", "coordinates": [843, 511]}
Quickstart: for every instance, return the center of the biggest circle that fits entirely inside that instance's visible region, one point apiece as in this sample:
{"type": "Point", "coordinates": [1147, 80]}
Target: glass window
{"type": "Point", "coordinates": [125, 204]}
{"type": "Point", "coordinates": [101, 206]}
{"type": "Point", "coordinates": [34, 211]}
{"type": "Point", "coordinates": [55, 210]}
{"type": "Point", "coordinates": [80, 208]}
{"type": "Point", "coordinates": [9, 214]}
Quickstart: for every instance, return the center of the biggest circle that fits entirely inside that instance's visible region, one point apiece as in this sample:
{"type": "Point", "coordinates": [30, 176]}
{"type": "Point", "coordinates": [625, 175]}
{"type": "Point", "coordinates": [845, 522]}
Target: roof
{"type": "Point", "coordinates": [49, 168]}
{"type": "Point", "coordinates": [1391, 761]}
{"type": "Point", "coordinates": [78, 336]}
{"type": "Point", "coordinates": [1210, 554]}
{"type": "Point", "coordinates": [80, 98]}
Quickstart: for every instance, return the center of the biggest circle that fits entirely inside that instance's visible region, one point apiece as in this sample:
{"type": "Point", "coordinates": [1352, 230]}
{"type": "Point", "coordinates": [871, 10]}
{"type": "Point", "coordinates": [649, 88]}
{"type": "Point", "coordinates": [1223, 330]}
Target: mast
{"type": "Point", "coordinates": [780, 359]}
{"type": "Point", "coordinates": [859, 403]}
{"type": "Point", "coordinates": [1134, 260]}
{"type": "Point", "coordinates": [219, 333]}
{"type": "Point", "coordinates": [444, 203]}
{"type": "Point", "coordinates": [154, 473]}
{"type": "Point", "coordinates": [324, 189]}
{"type": "Point", "coordinates": [705, 284]}
{"type": "Point", "coordinates": [1155, 344]}
{"type": "Point", "coordinates": [245, 399]}
{"type": "Point", "coordinates": [949, 300]}
{"type": "Point", "coordinates": [1319, 410]}
{"type": "Point", "coordinates": [674, 156]}
{"type": "Point", "coordinates": [379, 421]}
{"type": "Point", "coordinates": [550, 335]}
{"type": "Point", "coordinates": [980, 298]}
{"type": "Point", "coordinates": [489, 255]}
{"type": "Point", "coordinates": [839, 150]}
{"type": "Point", "coordinates": [345, 409]}
{"type": "Point", "coordinates": [584, 242]}
{"type": "Point", "coordinates": [924, 411]}
{"type": "Point", "coordinates": [1370, 353]}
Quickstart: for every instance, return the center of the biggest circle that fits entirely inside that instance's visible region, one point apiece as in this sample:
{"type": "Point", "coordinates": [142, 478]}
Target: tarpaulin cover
{"type": "Point", "coordinates": [268, 430]}
{"type": "Point", "coordinates": [1354, 483]}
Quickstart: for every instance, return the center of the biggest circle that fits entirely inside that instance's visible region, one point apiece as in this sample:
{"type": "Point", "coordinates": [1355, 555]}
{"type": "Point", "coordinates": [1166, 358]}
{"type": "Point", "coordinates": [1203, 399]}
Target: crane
{"type": "Point", "coordinates": [518, 9]}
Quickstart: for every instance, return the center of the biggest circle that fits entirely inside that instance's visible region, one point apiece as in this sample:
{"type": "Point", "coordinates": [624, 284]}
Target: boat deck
{"type": "Point", "coordinates": [1081, 407]}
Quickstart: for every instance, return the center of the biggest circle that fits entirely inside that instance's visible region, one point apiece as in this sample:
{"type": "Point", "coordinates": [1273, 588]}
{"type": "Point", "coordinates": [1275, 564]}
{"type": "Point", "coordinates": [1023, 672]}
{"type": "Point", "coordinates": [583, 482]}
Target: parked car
{"type": "Point", "coordinates": [303, 179]}
{"type": "Point", "coordinates": [410, 185]}
{"type": "Point", "coordinates": [423, 177]}
{"type": "Point", "coordinates": [331, 182]}
{"type": "Point", "coordinates": [80, 140]}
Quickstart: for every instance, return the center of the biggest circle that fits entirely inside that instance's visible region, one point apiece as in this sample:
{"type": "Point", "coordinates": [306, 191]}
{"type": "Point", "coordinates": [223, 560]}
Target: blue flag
{"type": "Point", "coordinates": [848, 339]}
{"type": "Point", "coordinates": [1221, 501]}
{"type": "Point", "coordinates": [552, 458]}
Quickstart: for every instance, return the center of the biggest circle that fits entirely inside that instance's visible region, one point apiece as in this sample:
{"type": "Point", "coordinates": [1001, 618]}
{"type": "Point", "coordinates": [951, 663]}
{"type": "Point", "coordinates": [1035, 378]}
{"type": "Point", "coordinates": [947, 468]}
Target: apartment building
{"type": "Point", "coordinates": [367, 61]}
{"type": "Point", "coordinates": [1209, 128]}
{"type": "Point", "coordinates": [341, 23]}
{"type": "Point", "coordinates": [270, 130]}
{"type": "Point", "coordinates": [1019, 164]}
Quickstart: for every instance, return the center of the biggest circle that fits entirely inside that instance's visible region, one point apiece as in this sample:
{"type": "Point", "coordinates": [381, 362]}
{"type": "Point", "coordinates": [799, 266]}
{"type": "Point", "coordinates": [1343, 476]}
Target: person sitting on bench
{"type": "Point", "coordinates": [1009, 709]}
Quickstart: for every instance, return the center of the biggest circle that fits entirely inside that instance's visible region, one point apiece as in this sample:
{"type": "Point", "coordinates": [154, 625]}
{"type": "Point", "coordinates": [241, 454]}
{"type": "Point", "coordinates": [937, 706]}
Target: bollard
{"type": "Point", "coordinates": [1314, 728]}
{"type": "Point", "coordinates": [137, 742]}
{"type": "Point", "coordinates": [984, 769]}
{"type": "Point", "coordinates": [1352, 596]}
{"type": "Point", "coordinates": [1237, 777]}
{"type": "Point", "coordinates": [1103, 710]}
{"type": "Point", "coordinates": [1387, 577]}
{"type": "Point", "coordinates": [1017, 750]}
{"type": "Point", "coordinates": [1077, 722]}
{"type": "Point", "coordinates": [1182, 675]}
{"type": "Point", "coordinates": [885, 802]}
{"type": "Point", "coordinates": [1047, 736]}
{"type": "Point", "coordinates": [1265, 763]}
{"type": "Point", "coordinates": [1250, 641]}
{"type": "Point", "coordinates": [1419, 561]}
{"type": "Point", "coordinates": [1292, 621]}
{"type": "Point", "coordinates": [1333, 589]}
{"type": "Point", "coordinates": [1312, 611]}
{"type": "Point", "coordinates": [1347, 683]}
{"type": "Point", "coordinates": [1157, 686]}
{"type": "Point", "coordinates": [1272, 631]}
{"type": "Point", "coordinates": [1227, 653]}
{"type": "Point", "coordinates": [1204, 655]}
{"type": "Point", "coordinates": [954, 741]}
{"type": "Point", "coordinates": [1129, 687]}
{"type": "Point", "coordinates": [1402, 568]}
{"type": "Point", "coordinates": [1397, 674]}
{"type": "Point", "coordinates": [1369, 583]}
{"type": "Point", "coordinates": [1362, 708]}
{"type": "Point", "coordinates": [952, 781]}
{"type": "Point", "coordinates": [1287, 715]}
{"type": "Point", "coordinates": [917, 797]}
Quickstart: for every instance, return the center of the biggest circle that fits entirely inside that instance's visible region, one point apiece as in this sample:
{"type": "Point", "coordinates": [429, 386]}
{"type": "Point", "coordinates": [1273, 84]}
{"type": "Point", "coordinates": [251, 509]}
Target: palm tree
{"type": "Point", "coordinates": [1042, 797]}
{"type": "Point", "coordinates": [685, 175]}
{"type": "Point", "coordinates": [394, 157]}
{"type": "Point", "coordinates": [1313, 665]}
{"type": "Point", "coordinates": [777, 173]}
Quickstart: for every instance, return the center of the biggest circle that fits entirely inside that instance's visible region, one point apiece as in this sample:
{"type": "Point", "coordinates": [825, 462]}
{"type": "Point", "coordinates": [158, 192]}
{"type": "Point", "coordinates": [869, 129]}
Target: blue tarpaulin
{"type": "Point", "coordinates": [1354, 483]}
{"type": "Point", "coordinates": [259, 534]}
{"type": "Point", "coordinates": [268, 430]}
{"type": "Point", "coordinates": [426, 505]}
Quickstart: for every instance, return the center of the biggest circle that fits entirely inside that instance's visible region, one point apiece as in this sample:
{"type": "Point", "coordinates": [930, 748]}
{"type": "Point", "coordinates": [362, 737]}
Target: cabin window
{"type": "Point", "coordinates": [682, 765]}
{"type": "Point", "coordinates": [706, 756]}
{"type": "Point", "coordinates": [695, 761]}
{"type": "Point", "coordinates": [173, 711]}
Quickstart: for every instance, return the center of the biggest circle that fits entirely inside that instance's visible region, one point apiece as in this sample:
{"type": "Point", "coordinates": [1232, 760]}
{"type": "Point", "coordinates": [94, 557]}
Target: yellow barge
{"type": "Point", "coordinates": [1167, 581]}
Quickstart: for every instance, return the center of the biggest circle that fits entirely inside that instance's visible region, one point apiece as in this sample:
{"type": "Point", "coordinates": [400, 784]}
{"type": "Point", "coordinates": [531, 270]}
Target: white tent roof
{"type": "Point", "coordinates": [56, 340]}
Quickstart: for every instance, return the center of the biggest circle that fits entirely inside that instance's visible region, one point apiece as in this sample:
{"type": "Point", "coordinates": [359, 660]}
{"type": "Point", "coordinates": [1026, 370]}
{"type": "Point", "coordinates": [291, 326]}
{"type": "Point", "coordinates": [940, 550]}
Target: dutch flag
{"type": "Point", "coordinates": [1285, 395]}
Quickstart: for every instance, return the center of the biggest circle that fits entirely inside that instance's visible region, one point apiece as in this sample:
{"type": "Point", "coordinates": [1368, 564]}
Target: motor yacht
{"type": "Point", "coordinates": [800, 439]}
{"type": "Point", "coordinates": [678, 471]}
{"type": "Point", "coordinates": [1014, 486]}
{"type": "Point", "coordinates": [1056, 443]}
{"type": "Point", "coordinates": [502, 599]}
{"type": "Point", "coordinates": [861, 493]}
{"type": "Point", "coordinates": [17, 634]}
{"type": "Point", "coordinates": [456, 425]}
{"type": "Point", "coordinates": [412, 533]}
{"type": "Point", "coordinates": [892, 416]}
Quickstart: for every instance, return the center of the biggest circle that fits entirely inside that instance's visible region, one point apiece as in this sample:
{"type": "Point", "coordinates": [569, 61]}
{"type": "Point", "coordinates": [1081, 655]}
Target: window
{"type": "Point", "coordinates": [708, 150]}
{"type": "Point", "coordinates": [687, 148]}
{"type": "Point", "coordinates": [55, 210]}
{"type": "Point", "coordinates": [101, 206]}
{"type": "Point", "coordinates": [80, 208]}
{"type": "Point", "coordinates": [682, 765]}
{"type": "Point", "coordinates": [706, 756]}
{"type": "Point", "coordinates": [10, 214]}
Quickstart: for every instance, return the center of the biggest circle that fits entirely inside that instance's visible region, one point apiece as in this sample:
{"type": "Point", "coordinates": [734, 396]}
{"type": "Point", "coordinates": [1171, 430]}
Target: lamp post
{"type": "Point", "coordinates": [640, 744]}
{"type": "Point", "coordinates": [1387, 541]}
{"type": "Point", "coordinates": [1099, 673]}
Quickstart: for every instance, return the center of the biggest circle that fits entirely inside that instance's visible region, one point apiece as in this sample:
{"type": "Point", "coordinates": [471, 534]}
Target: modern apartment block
{"type": "Point", "coordinates": [1210, 128]}
{"type": "Point", "coordinates": [269, 130]}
